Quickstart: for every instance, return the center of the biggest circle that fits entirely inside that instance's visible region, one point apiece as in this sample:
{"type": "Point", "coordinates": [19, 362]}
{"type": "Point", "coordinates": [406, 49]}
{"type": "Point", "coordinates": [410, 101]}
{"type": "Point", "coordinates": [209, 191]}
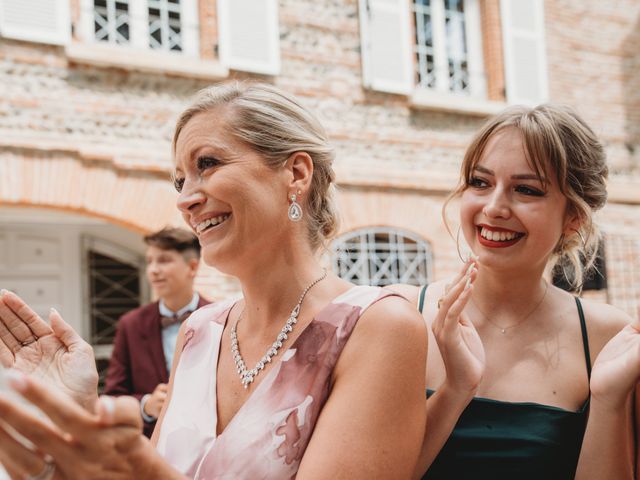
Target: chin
{"type": "Point", "coordinates": [225, 262]}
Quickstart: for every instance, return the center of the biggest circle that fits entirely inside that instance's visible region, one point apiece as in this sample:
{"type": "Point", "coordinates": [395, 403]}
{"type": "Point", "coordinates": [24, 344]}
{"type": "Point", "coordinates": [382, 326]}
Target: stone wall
{"type": "Point", "coordinates": [107, 130]}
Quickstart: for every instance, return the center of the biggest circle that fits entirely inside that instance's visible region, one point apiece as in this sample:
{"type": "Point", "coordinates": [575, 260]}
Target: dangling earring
{"type": "Point", "coordinates": [464, 259]}
{"type": "Point", "coordinates": [582, 239]}
{"type": "Point", "coordinates": [295, 210]}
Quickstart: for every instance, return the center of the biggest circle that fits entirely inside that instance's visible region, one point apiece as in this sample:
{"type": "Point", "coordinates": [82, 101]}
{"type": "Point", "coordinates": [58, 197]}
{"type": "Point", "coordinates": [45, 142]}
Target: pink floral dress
{"type": "Point", "coordinates": [268, 436]}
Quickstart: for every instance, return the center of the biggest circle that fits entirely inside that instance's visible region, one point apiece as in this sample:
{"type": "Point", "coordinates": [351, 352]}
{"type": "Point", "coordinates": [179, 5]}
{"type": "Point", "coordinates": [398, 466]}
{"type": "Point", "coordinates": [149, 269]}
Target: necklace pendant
{"type": "Point", "coordinates": [247, 376]}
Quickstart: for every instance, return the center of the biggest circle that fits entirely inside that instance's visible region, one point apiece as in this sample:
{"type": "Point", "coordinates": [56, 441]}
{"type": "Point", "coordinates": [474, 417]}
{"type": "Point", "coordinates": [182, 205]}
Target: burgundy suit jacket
{"type": "Point", "coordinates": [137, 363]}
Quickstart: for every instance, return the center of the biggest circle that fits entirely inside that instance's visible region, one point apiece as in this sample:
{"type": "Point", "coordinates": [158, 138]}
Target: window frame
{"type": "Point", "coordinates": [473, 49]}
{"type": "Point", "coordinates": [139, 32]}
{"type": "Point", "coordinates": [423, 249]}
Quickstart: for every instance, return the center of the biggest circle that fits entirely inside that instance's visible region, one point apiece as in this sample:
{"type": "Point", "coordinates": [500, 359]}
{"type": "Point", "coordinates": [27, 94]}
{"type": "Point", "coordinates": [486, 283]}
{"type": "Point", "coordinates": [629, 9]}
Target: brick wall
{"type": "Point", "coordinates": [111, 127]}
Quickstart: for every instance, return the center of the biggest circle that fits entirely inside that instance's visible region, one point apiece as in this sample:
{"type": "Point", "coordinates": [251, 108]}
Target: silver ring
{"type": "Point", "coordinates": [48, 471]}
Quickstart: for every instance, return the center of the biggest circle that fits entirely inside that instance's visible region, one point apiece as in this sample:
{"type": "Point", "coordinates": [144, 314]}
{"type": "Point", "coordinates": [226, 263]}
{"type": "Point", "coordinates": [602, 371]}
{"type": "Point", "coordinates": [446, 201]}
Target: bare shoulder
{"type": "Point", "coordinates": [410, 292]}
{"type": "Point", "coordinates": [388, 330]}
{"type": "Point", "coordinates": [603, 322]}
{"type": "Point", "coordinates": [391, 317]}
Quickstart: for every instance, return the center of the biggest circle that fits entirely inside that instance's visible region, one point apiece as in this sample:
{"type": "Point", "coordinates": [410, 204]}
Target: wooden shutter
{"type": "Point", "coordinates": [249, 35]}
{"type": "Point", "coordinates": [525, 59]}
{"type": "Point", "coordinates": [386, 42]}
{"type": "Point", "coordinates": [42, 21]}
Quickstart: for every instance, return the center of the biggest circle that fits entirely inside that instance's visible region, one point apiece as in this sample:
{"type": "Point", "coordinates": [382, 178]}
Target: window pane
{"type": "Point", "coordinates": [165, 25]}
{"type": "Point", "coordinates": [425, 65]}
{"type": "Point", "coordinates": [441, 45]}
{"type": "Point", "coordinates": [382, 256]}
{"type": "Point", "coordinates": [114, 289]}
{"type": "Point", "coordinates": [111, 21]}
{"type": "Point", "coordinates": [456, 46]}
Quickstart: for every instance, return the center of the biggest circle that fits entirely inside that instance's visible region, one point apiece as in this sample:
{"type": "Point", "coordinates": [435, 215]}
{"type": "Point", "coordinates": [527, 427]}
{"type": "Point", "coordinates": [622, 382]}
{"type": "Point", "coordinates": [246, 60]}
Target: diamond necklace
{"type": "Point", "coordinates": [504, 329]}
{"type": "Point", "coordinates": [247, 376]}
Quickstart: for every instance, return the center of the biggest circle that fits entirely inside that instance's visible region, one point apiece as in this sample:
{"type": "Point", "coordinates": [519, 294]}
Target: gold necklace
{"type": "Point", "coordinates": [503, 330]}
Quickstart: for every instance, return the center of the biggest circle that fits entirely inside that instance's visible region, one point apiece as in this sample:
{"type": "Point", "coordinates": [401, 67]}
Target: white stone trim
{"type": "Point", "coordinates": [426, 99]}
{"type": "Point", "coordinates": [149, 61]}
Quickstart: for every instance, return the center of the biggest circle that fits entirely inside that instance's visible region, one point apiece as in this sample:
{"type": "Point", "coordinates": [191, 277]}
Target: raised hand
{"type": "Point", "coordinates": [156, 400]}
{"type": "Point", "coordinates": [457, 338]}
{"type": "Point", "coordinates": [616, 371]}
{"type": "Point", "coordinates": [56, 353]}
{"type": "Point", "coordinates": [75, 443]}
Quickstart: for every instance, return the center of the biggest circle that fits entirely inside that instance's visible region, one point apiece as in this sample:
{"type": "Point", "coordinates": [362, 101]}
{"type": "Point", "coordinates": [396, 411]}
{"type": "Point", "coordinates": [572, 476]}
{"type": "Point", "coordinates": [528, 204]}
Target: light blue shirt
{"type": "Point", "coordinates": [170, 333]}
{"type": "Point", "coordinates": [169, 339]}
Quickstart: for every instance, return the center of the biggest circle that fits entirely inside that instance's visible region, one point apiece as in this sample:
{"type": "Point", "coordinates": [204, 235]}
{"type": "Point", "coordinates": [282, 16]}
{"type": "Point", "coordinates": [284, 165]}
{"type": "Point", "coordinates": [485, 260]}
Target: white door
{"type": "Point", "coordinates": [32, 264]}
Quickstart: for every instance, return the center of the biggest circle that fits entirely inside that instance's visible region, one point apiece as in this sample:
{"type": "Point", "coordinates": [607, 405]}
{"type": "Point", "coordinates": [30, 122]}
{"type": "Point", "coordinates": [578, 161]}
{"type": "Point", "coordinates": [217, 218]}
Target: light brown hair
{"type": "Point", "coordinates": [178, 239]}
{"type": "Point", "coordinates": [558, 142]}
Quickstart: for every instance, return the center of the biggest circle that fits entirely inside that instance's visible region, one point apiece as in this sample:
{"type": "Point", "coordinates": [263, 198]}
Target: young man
{"type": "Point", "coordinates": [146, 337]}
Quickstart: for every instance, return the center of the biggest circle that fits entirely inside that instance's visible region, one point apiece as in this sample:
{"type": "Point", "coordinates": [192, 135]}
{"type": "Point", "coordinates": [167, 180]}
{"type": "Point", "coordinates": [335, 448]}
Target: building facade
{"type": "Point", "coordinates": [90, 90]}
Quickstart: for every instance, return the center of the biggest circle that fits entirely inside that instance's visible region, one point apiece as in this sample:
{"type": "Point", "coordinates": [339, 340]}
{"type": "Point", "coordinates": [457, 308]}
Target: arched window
{"type": "Point", "coordinates": [382, 256]}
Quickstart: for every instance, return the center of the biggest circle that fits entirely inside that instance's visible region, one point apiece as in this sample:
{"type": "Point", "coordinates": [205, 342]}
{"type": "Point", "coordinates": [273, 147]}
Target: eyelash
{"type": "Point", "coordinates": [202, 163]}
{"type": "Point", "coordinates": [477, 182]}
{"type": "Point", "coordinates": [527, 190]}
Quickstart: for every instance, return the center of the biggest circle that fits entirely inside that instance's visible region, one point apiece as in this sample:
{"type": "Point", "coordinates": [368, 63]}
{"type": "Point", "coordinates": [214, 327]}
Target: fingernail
{"type": "Point", "coordinates": [469, 268]}
{"type": "Point", "coordinates": [53, 311]}
{"type": "Point", "coordinates": [2, 292]}
{"type": "Point", "coordinates": [468, 284]}
{"type": "Point", "coordinates": [16, 380]}
{"type": "Point", "coordinates": [107, 407]}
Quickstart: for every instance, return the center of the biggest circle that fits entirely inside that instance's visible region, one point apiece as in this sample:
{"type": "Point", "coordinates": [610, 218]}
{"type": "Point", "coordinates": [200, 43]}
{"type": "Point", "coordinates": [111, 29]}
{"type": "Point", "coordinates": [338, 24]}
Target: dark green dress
{"type": "Point", "coordinates": [507, 440]}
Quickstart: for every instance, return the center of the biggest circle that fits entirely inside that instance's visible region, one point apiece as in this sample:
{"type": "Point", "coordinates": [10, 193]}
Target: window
{"type": "Point", "coordinates": [114, 289]}
{"type": "Point", "coordinates": [168, 25]}
{"type": "Point", "coordinates": [382, 256]}
{"type": "Point", "coordinates": [115, 286]}
{"type": "Point", "coordinates": [446, 32]}
{"type": "Point", "coordinates": [434, 51]}
{"type": "Point", "coordinates": [165, 25]}
{"type": "Point", "coordinates": [111, 21]}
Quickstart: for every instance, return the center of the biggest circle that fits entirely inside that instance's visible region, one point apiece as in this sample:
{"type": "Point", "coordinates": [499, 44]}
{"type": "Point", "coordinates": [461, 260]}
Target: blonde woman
{"type": "Point", "coordinates": [306, 375]}
{"type": "Point", "coordinates": [528, 381]}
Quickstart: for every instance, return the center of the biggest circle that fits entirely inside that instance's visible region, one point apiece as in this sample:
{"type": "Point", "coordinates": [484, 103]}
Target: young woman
{"type": "Point", "coordinates": [523, 367]}
{"type": "Point", "coordinates": [305, 375]}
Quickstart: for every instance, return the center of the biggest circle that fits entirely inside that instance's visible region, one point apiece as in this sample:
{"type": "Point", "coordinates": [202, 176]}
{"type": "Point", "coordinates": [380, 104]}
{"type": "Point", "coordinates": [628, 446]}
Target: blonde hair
{"type": "Point", "coordinates": [556, 142]}
{"type": "Point", "coordinates": [275, 125]}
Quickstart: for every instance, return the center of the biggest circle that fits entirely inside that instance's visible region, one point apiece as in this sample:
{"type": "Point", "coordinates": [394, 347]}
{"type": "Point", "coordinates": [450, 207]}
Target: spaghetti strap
{"type": "Point", "coordinates": [585, 337]}
{"type": "Point", "coordinates": [421, 301]}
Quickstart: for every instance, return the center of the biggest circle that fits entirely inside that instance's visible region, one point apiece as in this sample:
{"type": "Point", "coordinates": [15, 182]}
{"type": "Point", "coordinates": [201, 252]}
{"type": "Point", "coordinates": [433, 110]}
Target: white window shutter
{"type": "Point", "coordinates": [249, 35]}
{"type": "Point", "coordinates": [525, 58]}
{"type": "Point", "coordinates": [42, 21]}
{"type": "Point", "coordinates": [190, 28]}
{"type": "Point", "coordinates": [386, 45]}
